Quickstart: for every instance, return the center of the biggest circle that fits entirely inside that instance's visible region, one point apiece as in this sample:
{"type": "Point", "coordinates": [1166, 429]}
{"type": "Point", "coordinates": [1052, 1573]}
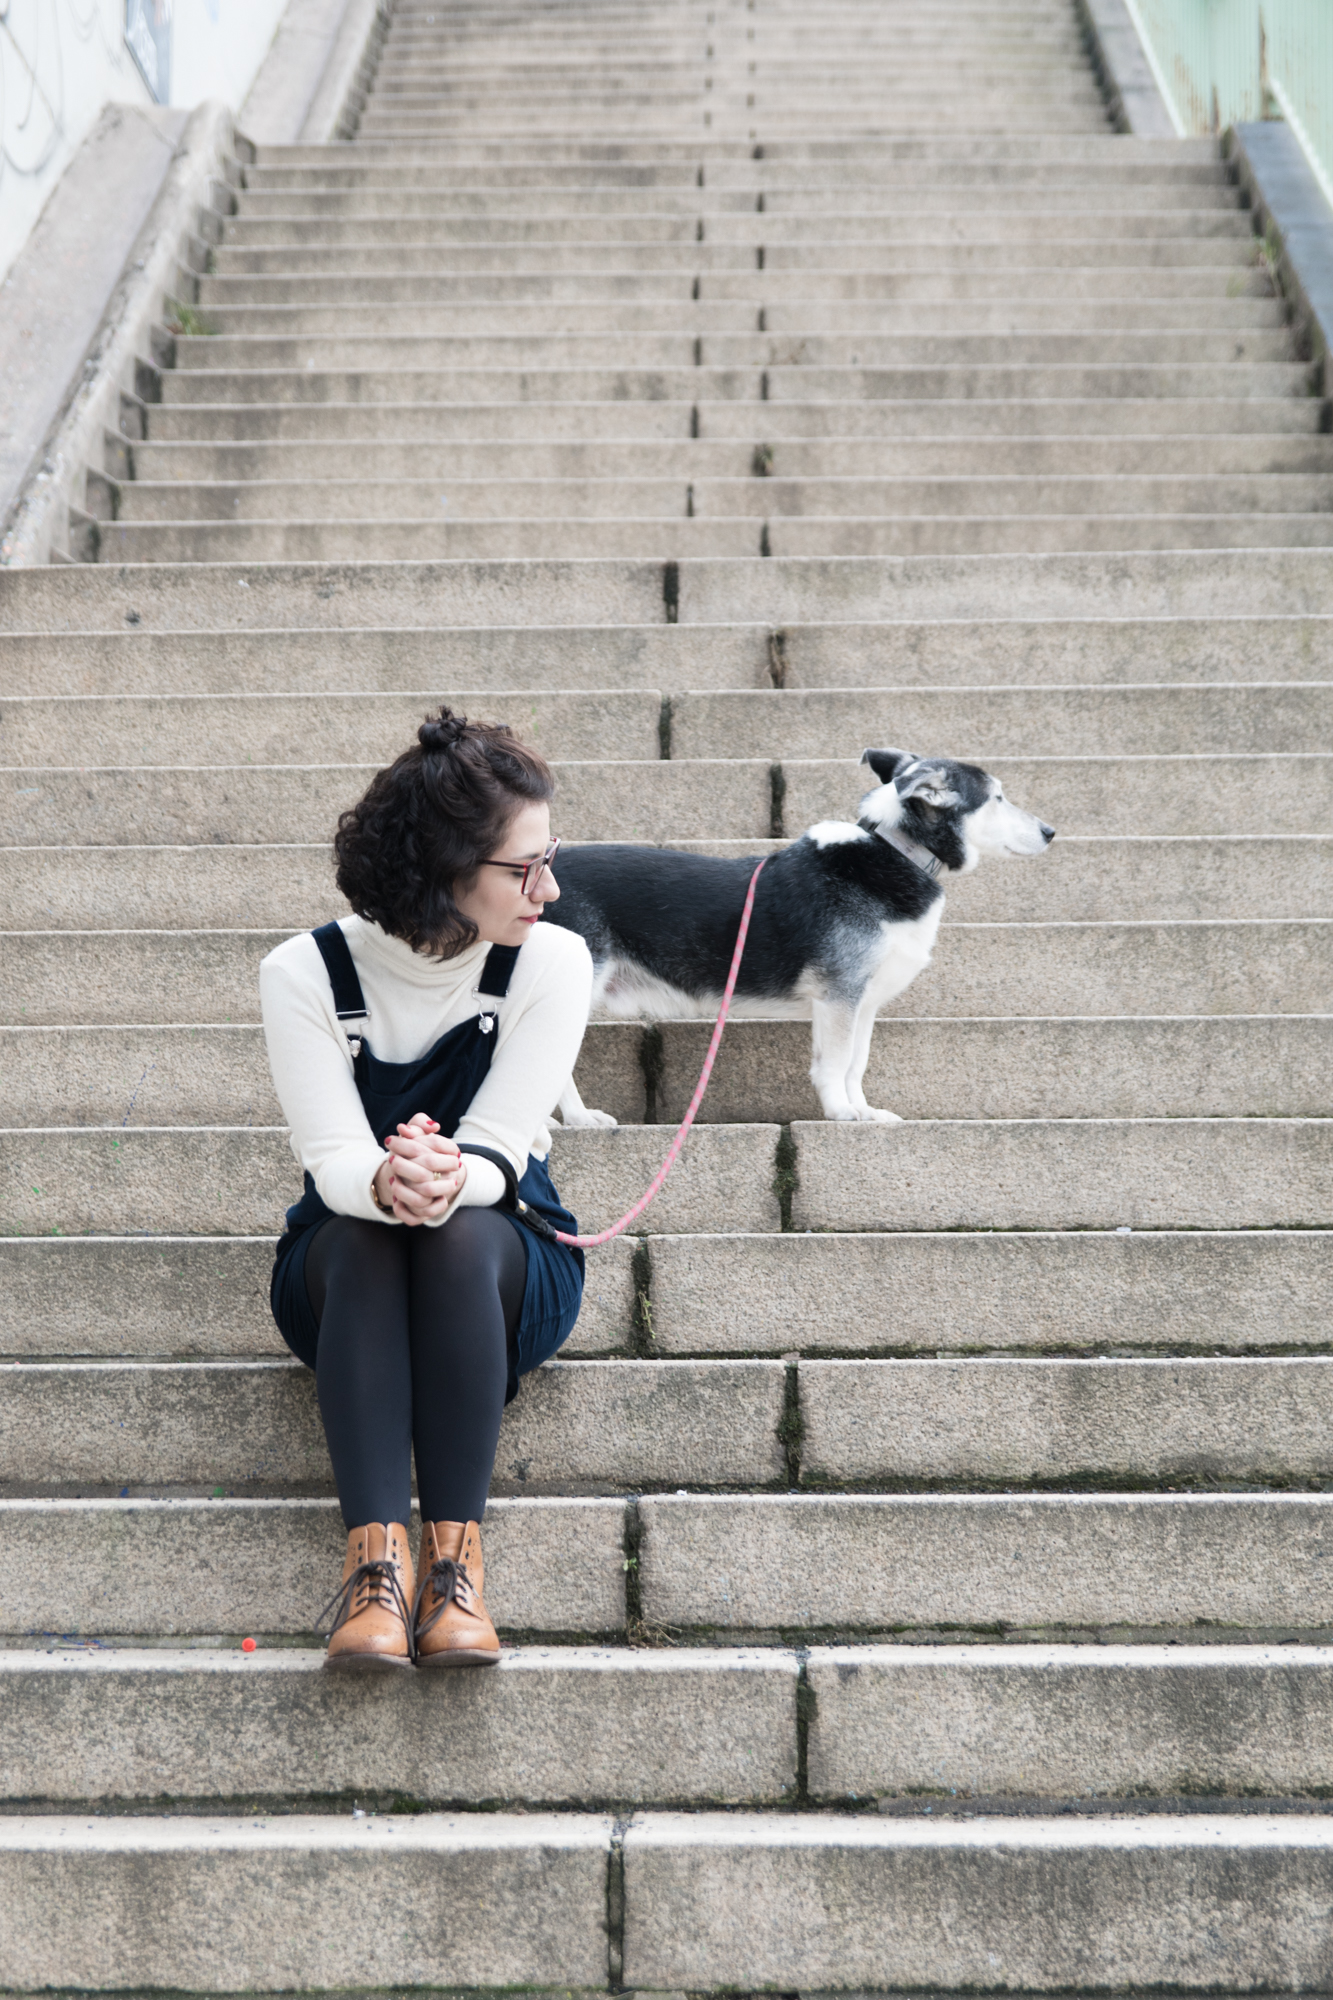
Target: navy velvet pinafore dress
{"type": "Point", "coordinates": [443, 1084]}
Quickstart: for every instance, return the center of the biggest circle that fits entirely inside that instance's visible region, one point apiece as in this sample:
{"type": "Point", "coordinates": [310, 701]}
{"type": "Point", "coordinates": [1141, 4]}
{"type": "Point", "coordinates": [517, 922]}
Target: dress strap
{"type": "Point", "coordinates": [497, 971]}
{"type": "Point", "coordinates": [348, 999]}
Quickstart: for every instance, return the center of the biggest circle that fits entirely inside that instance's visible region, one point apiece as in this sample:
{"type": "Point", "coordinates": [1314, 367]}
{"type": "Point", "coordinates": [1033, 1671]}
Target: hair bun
{"type": "Point", "coordinates": [441, 732]}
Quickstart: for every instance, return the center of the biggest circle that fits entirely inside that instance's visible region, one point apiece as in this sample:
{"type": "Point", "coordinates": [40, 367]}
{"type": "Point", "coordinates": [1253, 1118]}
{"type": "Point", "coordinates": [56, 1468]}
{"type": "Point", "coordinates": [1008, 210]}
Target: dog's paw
{"type": "Point", "coordinates": [585, 1120]}
{"type": "Point", "coordinates": [868, 1115]}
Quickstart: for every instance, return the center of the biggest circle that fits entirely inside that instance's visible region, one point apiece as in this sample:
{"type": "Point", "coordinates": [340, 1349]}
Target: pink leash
{"type": "Point", "coordinates": [673, 1152]}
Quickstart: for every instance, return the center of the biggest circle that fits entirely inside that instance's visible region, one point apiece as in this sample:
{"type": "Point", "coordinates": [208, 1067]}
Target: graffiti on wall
{"type": "Point", "coordinates": [43, 44]}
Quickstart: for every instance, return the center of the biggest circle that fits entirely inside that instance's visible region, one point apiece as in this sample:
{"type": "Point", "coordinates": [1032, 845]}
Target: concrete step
{"type": "Point", "coordinates": [267, 1566]}
{"type": "Point", "coordinates": [323, 198]}
{"type": "Point", "coordinates": [1181, 584]}
{"type": "Point", "coordinates": [657, 539]}
{"type": "Point", "coordinates": [899, 1722]}
{"type": "Point", "coordinates": [349, 727]}
{"type": "Point", "coordinates": [920, 248]}
{"type": "Point", "coordinates": [240, 1180]}
{"type": "Point", "coordinates": [1149, 1889]}
{"type": "Point", "coordinates": [583, 225]}
{"type": "Point", "coordinates": [686, 382]}
{"type": "Point", "coordinates": [1032, 723]}
{"type": "Point", "coordinates": [1268, 966]}
{"type": "Point", "coordinates": [857, 222]}
{"type": "Point", "coordinates": [684, 1726]}
{"type": "Point", "coordinates": [649, 800]}
{"type": "Point", "coordinates": [1266, 417]}
{"type": "Point", "coordinates": [700, 461]}
{"type": "Point", "coordinates": [500, 346]}
{"type": "Point", "coordinates": [689, 1727]}
{"type": "Point", "coordinates": [1271, 1066]}
{"type": "Point", "coordinates": [1245, 1292]}
{"type": "Point", "coordinates": [145, 665]}
{"type": "Point", "coordinates": [677, 799]}
{"type": "Point", "coordinates": [988, 1423]}
{"type": "Point", "coordinates": [1251, 1564]}
{"type": "Point", "coordinates": [1144, 1173]}
{"type": "Point", "coordinates": [676, 311]}
{"type": "Point", "coordinates": [679, 297]}
{"type": "Point", "coordinates": [849, 501]}
{"type": "Point", "coordinates": [134, 664]}
{"type": "Point", "coordinates": [583, 1427]}
{"type": "Point", "coordinates": [1153, 1173]}
{"type": "Point", "coordinates": [989, 153]}
{"type": "Point", "coordinates": [1085, 880]}
{"type": "Point", "coordinates": [1086, 795]}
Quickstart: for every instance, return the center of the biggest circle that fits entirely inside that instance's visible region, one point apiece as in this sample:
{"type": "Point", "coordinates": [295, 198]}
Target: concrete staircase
{"type": "Point", "coordinates": [917, 1571]}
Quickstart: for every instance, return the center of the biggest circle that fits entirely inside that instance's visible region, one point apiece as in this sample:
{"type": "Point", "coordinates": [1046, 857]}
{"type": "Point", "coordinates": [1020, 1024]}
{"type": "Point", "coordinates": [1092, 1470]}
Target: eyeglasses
{"type": "Point", "coordinates": [529, 873]}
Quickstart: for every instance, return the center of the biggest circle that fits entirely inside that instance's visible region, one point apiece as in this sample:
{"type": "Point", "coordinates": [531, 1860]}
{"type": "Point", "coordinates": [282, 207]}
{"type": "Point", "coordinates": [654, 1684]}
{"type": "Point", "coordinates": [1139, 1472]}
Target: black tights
{"type": "Point", "coordinates": [415, 1329]}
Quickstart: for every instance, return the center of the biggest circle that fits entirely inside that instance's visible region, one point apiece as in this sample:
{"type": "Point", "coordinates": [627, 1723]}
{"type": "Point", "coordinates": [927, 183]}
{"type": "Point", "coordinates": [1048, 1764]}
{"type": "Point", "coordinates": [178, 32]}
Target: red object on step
{"type": "Point", "coordinates": [247, 1645]}
{"type": "Point", "coordinates": [673, 1152]}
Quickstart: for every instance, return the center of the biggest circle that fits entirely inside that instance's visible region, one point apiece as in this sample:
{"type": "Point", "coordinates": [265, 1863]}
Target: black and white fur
{"type": "Point", "coordinates": [844, 919]}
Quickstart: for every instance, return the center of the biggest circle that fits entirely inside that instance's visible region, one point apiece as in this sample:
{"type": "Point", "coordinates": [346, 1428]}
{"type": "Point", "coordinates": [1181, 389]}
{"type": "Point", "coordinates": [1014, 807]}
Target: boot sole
{"type": "Point", "coordinates": [468, 1657]}
{"type": "Point", "coordinates": [365, 1663]}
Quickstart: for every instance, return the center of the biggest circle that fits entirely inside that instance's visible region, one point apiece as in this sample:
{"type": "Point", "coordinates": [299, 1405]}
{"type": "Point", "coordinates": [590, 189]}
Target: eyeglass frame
{"type": "Point", "coordinates": [532, 870]}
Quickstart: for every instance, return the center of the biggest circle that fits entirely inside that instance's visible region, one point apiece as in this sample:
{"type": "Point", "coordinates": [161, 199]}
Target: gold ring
{"type": "Point", "coordinates": [437, 1177]}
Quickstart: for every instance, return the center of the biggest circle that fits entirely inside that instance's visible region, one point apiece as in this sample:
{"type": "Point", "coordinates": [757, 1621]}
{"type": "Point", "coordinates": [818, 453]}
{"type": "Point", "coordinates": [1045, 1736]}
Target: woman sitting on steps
{"type": "Point", "coordinates": [418, 1048]}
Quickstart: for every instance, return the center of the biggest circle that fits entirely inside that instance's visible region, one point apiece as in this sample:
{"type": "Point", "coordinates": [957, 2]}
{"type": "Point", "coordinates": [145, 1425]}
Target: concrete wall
{"type": "Point", "coordinates": [61, 61]}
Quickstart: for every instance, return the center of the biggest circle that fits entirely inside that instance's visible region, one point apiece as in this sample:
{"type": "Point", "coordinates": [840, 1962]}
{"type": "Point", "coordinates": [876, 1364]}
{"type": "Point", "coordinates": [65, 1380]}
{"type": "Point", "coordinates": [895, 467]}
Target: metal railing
{"type": "Point", "coordinates": [1222, 62]}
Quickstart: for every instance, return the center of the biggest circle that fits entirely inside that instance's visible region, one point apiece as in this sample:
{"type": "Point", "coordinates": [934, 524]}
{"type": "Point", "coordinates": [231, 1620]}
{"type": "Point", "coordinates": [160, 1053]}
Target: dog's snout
{"type": "Point", "coordinates": [1047, 832]}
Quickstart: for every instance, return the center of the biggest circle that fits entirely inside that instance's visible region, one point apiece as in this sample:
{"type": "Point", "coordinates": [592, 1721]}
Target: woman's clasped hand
{"type": "Point", "coordinates": [423, 1174]}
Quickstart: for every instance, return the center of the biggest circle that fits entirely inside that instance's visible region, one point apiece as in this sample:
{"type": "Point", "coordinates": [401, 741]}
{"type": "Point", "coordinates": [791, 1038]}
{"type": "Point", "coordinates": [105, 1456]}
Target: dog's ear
{"type": "Point", "coordinates": [929, 783]}
{"type": "Point", "coordinates": [886, 764]}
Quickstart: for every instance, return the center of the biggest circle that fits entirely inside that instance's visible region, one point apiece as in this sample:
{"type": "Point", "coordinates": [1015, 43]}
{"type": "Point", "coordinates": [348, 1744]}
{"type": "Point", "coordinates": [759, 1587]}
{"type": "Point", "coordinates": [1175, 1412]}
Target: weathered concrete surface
{"type": "Point", "coordinates": [243, 805]}
{"type": "Point", "coordinates": [205, 1296]}
{"type": "Point", "coordinates": [1187, 583]}
{"type": "Point", "coordinates": [1168, 1559]}
{"type": "Point", "coordinates": [989, 723]}
{"type": "Point", "coordinates": [675, 658]}
{"type": "Point", "coordinates": [356, 727]}
{"type": "Point", "coordinates": [991, 1904]}
{"type": "Point", "coordinates": [553, 1726]}
{"type": "Point", "coordinates": [168, 1568]}
{"type": "Point", "coordinates": [56, 291]}
{"type": "Point", "coordinates": [951, 1291]}
{"type": "Point", "coordinates": [1266, 966]}
{"type": "Point", "coordinates": [1218, 1067]}
{"type": "Point", "coordinates": [1069, 1721]}
{"type": "Point", "coordinates": [284, 886]}
{"type": "Point", "coordinates": [237, 1181]}
{"type": "Point", "coordinates": [883, 1423]}
{"type": "Point", "coordinates": [1148, 1173]}
{"type": "Point", "coordinates": [203, 1903]}
{"type": "Point", "coordinates": [585, 1427]}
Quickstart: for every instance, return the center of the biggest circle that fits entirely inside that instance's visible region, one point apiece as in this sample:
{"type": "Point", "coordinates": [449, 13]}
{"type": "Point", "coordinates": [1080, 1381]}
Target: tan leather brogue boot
{"type": "Point", "coordinates": [372, 1607]}
{"type": "Point", "coordinates": [452, 1628]}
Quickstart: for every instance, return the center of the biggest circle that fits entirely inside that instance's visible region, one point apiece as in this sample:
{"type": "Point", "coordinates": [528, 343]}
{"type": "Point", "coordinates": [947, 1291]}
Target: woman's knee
{"type": "Point", "coordinates": [475, 1243]}
{"type": "Point", "coordinates": [348, 1253]}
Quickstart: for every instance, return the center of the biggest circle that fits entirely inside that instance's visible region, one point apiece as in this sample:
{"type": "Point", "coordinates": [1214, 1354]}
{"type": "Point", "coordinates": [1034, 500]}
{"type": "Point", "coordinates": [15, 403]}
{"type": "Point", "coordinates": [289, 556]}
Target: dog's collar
{"type": "Point", "coordinates": [929, 864]}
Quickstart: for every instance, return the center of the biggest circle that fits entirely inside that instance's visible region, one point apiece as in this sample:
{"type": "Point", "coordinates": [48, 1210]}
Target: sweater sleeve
{"type": "Point", "coordinates": [312, 1073]}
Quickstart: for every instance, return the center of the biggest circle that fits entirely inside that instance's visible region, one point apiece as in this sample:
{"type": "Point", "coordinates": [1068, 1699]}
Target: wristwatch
{"type": "Point", "coordinates": [375, 1195]}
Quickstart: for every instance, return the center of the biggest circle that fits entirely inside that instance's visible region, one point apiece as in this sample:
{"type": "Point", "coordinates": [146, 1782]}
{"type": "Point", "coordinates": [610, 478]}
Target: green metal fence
{"type": "Point", "coordinates": [1220, 62]}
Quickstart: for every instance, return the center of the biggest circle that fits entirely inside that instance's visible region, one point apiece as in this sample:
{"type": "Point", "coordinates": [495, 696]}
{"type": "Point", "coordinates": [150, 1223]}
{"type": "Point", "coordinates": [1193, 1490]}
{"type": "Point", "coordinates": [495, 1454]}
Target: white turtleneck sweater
{"type": "Point", "coordinates": [412, 1001]}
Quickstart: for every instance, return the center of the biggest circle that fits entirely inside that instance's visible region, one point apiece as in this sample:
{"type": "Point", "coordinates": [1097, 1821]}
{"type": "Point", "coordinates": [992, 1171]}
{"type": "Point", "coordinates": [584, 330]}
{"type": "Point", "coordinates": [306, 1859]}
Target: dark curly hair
{"type": "Point", "coordinates": [426, 824]}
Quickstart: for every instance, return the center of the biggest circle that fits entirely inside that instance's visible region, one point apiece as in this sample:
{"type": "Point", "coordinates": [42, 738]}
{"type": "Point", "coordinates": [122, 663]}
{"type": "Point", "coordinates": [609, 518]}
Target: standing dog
{"type": "Point", "coordinates": [844, 919]}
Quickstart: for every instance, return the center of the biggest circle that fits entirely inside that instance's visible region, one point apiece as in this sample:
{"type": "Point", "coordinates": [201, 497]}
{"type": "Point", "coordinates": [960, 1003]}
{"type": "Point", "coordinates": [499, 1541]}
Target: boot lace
{"type": "Point", "coordinates": [451, 1584]}
{"type": "Point", "coordinates": [382, 1585]}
